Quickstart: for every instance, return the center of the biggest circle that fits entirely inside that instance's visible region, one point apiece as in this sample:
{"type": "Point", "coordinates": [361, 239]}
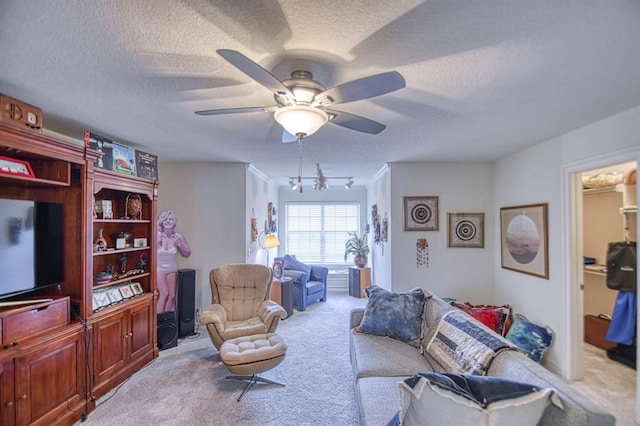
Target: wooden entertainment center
{"type": "Point", "coordinates": [61, 353]}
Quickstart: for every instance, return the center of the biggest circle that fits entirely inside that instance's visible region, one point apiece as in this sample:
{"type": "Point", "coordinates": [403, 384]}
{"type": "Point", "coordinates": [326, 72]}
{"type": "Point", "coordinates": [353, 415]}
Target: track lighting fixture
{"type": "Point", "coordinates": [320, 181]}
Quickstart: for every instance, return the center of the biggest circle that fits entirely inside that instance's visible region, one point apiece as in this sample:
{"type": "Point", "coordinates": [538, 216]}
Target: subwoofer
{"type": "Point", "coordinates": [167, 330]}
{"type": "Point", "coordinates": [186, 302]}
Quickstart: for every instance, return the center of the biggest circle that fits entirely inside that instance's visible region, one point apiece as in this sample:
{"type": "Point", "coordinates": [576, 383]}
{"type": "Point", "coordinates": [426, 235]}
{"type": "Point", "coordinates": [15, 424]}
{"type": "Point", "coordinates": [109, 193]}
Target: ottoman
{"type": "Point", "coordinates": [248, 356]}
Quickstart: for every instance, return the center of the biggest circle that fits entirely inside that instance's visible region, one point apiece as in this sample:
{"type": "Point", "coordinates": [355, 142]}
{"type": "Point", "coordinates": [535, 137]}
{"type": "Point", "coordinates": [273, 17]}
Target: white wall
{"type": "Point", "coordinates": [462, 273]}
{"type": "Point", "coordinates": [209, 201]}
{"type": "Point", "coordinates": [380, 259]}
{"type": "Point", "coordinates": [260, 192]}
{"type": "Point", "coordinates": [535, 175]}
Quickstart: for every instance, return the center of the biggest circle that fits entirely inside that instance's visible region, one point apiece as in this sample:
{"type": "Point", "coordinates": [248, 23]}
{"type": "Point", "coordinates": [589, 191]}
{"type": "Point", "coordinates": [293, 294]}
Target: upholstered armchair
{"type": "Point", "coordinates": [241, 305]}
{"type": "Point", "coordinates": [309, 281]}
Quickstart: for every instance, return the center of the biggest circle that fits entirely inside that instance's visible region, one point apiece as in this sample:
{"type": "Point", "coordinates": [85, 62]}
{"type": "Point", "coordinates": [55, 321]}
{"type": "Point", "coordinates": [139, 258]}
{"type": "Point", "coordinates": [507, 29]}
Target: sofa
{"type": "Point", "coordinates": [309, 281]}
{"type": "Point", "coordinates": [381, 364]}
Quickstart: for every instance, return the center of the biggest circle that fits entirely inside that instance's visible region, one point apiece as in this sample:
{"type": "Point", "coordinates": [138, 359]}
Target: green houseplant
{"type": "Point", "coordinates": [359, 247]}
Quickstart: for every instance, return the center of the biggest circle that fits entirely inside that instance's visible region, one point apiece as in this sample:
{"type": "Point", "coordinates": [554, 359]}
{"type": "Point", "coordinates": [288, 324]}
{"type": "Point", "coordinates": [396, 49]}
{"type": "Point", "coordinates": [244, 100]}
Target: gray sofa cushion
{"type": "Point", "coordinates": [430, 398]}
{"type": "Point", "coordinates": [576, 408]}
{"type": "Point", "coordinates": [383, 356]}
{"type": "Point", "coordinates": [378, 399]}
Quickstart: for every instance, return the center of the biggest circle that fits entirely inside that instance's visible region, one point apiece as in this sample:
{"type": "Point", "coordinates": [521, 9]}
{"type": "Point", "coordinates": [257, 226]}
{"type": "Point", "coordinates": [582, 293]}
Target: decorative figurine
{"type": "Point", "coordinates": [123, 262]}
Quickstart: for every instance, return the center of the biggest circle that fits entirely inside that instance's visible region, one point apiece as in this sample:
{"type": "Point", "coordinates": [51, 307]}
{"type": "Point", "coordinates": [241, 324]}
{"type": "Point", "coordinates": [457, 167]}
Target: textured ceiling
{"type": "Point", "coordinates": [484, 78]}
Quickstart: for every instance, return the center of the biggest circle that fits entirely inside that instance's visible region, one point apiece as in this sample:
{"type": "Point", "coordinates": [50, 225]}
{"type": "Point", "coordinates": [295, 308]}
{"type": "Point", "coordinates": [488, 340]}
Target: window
{"type": "Point", "coordinates": [316, 232]}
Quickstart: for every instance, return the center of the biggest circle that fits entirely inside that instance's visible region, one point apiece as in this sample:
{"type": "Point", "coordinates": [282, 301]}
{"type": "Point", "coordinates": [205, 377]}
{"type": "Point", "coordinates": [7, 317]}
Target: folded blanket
{"type": "Point", "coordinates": [462, 346]}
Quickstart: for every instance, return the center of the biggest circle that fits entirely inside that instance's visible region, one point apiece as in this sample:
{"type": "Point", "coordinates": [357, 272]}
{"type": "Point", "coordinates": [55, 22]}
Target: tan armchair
{"type": "Point", "coordinates": [241, 305]}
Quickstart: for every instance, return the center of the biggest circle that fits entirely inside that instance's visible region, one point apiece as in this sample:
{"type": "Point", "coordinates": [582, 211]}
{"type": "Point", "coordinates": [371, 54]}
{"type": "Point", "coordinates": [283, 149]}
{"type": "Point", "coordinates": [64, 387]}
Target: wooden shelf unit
{"type": "Point", "coordinates": [47, 373]}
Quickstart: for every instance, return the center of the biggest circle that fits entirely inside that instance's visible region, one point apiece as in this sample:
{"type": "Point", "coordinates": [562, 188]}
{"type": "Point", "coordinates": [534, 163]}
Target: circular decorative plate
{"type": "Point", "coordinates": [277, 269]}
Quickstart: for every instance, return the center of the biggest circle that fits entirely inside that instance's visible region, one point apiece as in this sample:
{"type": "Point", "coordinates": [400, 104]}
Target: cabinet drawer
{"type": "Point", "coordinates": [25, 322]}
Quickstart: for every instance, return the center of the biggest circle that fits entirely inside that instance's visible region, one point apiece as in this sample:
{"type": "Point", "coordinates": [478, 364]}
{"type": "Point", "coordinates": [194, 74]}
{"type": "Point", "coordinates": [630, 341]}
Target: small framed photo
{"type": "Point", "coordinates": [524, 239]}
{"type": "Point", "coordinates": [466, 230]}
{"type": "Point", "coordinates": [114, 295]}
{"type": "Point", "coordinates": [136, 288]}
{"type": "Point", "coordinates": [421, 213]}
{"type": "Point", "coordinates": [12, 166]}
{"type": "Point", "coordinates": [126, 291]}
{"type": "Point", "coordinates": [121, 243]}
{"type": "Point", "coordinates": [139, 242]}
{"type": "Point", "coordinates": [100, 299]}
{"type": "Point", "coordinates": [104, 209]}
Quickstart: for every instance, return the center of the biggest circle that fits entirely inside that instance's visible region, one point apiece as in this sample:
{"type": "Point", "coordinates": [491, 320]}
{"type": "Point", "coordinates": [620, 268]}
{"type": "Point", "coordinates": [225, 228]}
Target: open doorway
{"type": "Point", "coordinates": [597, 217]}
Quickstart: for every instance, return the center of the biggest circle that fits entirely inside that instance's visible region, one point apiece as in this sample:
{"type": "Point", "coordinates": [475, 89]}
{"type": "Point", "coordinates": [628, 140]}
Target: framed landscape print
{"type": "Point", "coordinates": [421, 213]}
{"type": "Point", "coordinates": [524, 239]}
{"type": "Point", "coordinates": [466, 230]}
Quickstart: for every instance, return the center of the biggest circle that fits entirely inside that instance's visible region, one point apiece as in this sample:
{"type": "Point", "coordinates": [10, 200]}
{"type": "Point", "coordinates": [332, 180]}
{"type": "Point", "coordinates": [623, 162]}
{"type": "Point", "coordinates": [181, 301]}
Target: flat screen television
{"type": "Point", "coordinates": [31, 246]}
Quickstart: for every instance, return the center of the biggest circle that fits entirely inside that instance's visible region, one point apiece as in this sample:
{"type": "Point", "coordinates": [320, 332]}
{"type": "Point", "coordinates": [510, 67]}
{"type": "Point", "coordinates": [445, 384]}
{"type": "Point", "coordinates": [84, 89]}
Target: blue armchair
{"type": "Point", "coordinates": [309, 281]}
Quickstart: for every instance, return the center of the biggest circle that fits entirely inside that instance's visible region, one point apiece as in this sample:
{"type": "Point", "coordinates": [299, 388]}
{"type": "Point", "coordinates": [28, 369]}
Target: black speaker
{"type": "Point", "coordinates": [186, 302]}
{"type": "Point", "coordinates": [167, 330]}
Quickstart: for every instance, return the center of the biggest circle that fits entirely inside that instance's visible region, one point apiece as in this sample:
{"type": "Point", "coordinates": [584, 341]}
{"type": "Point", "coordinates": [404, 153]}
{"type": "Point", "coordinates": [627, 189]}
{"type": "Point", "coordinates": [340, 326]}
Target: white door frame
{"type": "Point", "coordinates": [573, 261]}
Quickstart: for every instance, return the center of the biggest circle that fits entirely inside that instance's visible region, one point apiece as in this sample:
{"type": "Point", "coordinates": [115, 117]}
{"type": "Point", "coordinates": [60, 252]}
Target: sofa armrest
{"type": "Point", "coordinates": [356, 317]}
{"type": "Point", "coordinates": [214, 314]}
{"type": "Point", "coordinates": [319, 273]}
{"type": "Point", "coordinates": [297, 276]}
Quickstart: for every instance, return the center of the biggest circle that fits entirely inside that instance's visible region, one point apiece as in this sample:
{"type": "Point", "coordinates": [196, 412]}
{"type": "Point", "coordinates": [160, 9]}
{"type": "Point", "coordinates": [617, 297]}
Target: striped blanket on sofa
{"type": "Point", "coordinates": [463, 346]}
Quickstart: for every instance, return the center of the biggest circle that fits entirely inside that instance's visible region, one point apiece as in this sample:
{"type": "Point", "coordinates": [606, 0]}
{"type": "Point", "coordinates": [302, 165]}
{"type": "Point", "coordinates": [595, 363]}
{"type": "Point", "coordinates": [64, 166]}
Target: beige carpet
{"type": "Point", "coordinates": [610, 384]}
{"type": "Point", "coordinates": [186, 385]}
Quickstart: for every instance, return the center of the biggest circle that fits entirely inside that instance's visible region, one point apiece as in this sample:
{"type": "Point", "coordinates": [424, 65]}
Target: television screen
{"type": "Point", "coordinates": [31, 245]}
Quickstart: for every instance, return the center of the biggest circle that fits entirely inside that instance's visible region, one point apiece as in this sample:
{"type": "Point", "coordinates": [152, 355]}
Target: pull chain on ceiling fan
{"type": "Point", "coordinates": [302, 104]}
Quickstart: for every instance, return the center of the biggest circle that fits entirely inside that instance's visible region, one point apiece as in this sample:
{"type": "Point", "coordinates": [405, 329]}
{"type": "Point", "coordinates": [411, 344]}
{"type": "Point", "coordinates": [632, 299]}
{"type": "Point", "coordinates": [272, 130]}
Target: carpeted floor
{"type": "Point", "coordinates": [186, 384]}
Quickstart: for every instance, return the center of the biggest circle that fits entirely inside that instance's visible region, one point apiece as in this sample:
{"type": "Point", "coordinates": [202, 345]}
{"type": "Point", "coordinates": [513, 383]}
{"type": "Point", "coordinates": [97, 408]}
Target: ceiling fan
{"type": "Point", "coordinates": [303, 105]}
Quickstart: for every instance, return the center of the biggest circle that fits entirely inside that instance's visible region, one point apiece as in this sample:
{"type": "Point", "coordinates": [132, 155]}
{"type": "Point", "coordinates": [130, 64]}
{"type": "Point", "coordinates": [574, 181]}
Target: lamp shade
{"type": "Point", "coordinates": [301, 119]}
{"type": "Point", "coordinates": [271, 241]}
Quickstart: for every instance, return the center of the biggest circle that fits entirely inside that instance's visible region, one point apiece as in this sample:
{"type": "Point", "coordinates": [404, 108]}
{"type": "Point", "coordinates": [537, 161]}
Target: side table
{"type": "Point", "coordinates": [282, 293]}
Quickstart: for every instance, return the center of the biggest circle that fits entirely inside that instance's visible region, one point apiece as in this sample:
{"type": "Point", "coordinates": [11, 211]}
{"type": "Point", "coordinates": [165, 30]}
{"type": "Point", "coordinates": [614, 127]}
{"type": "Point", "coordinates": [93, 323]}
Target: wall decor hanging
{"type": "Point", "coordinates": [421, 213]}
{"type": "Point", "coordinates": [422, 252]}
{"type": "Point", "coordinates": [375, 220]}
{"type": "Point", "coordinates": [272, 218]}
{"type": "Point", "coordinates": [254, 226]}
{"type": "Point", "coordinates": [466, 230]}
{"type": "Point", "coordinates": [524, 239]}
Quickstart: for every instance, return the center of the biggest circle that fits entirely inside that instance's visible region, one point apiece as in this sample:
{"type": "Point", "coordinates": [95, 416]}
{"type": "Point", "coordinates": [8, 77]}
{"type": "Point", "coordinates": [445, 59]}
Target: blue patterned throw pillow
{"type": "Point", "coordinates": [396, 315]}
{"type": "Point", "coordinates": [531, 338]}
{"type": "Point", "coordinates": [292, 263]}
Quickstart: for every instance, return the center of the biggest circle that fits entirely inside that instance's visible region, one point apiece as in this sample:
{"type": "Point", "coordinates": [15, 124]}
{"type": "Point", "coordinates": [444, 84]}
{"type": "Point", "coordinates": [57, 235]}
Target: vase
{"type": "Point", "coordinates": [134, 206]}
{"type": "Point", "coordinates": [101, 242]}
{"type": "Point", "coordinates": [360, 260]}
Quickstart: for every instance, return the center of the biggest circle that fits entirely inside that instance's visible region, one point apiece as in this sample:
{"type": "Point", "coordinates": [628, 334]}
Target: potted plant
{"type": "Point", "coordinates": [359, 247]}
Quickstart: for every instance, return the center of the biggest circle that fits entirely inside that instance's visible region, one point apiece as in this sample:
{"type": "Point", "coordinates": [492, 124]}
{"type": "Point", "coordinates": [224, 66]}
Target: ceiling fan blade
{"type": "Point", "coordinates": [234, 110]}
{"type": "Point", "coordinates": [362, 88]}
{"type": "Point", "coordinates": [255, 71]}
{"type": "Point", "coordinates": [355, 122]}
{"type": "Point", "coordinates": [288, 137]}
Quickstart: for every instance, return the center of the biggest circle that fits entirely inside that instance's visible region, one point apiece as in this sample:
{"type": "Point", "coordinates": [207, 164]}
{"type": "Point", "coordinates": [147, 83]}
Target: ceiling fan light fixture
{"type": "Point", "coordinates": [301, 119]}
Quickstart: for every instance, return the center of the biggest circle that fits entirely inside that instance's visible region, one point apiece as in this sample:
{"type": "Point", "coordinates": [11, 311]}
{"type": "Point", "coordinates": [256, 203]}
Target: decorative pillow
{"type": "Point", "coordinates": [497, 318]}
{"type": "Point", "coordinates": [291, 262]}
{"type": "Point", "coordinates": [531, 338]}
{"type": "Point", "coordinates": [396, 315]}
{"type": "Point", "coordinates": [441, 398]}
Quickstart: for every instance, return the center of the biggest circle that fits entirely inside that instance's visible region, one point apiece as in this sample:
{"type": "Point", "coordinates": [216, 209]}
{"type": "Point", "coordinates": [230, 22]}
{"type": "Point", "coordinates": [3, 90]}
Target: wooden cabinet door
{"type": "Point", "coordinates": [141, 331]}
{"type": "Point", "coordinates": [7, 394]}
{"type": "Point", "coordinates": [109, 346]}
{"type": "Point", "coordinates": [49, 381]}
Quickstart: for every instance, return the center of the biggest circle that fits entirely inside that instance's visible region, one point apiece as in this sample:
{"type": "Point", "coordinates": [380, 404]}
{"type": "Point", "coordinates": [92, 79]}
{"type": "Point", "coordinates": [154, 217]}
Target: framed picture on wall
{"type": "Point", "coordinates": [421, 213]}
{"type": "Point", "coordinates": [524, 239]}
{"type": "Point", "coordinates": [466, 230]}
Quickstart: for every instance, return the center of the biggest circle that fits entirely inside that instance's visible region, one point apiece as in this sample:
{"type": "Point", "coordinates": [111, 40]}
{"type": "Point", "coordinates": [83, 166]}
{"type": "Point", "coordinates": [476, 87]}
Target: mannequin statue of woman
{"type": "Point", "coordinates": [170, 243]}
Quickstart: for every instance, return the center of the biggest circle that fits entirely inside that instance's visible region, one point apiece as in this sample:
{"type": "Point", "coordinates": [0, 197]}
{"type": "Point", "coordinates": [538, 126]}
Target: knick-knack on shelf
{"type": "Point", "coordinates": [101, 241]}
